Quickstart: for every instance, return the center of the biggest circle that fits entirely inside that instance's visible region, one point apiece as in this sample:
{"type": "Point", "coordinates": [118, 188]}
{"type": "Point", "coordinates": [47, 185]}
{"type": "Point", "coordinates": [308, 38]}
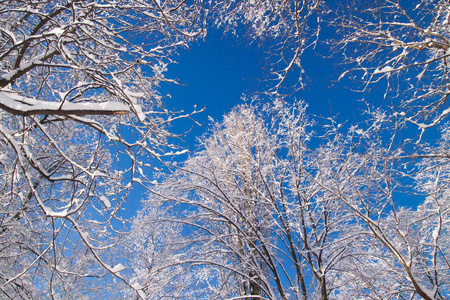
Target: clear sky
{"type": "Point", "coordinates": [213, 74]}
{"type": "Point", "coordinates": [216, 72]}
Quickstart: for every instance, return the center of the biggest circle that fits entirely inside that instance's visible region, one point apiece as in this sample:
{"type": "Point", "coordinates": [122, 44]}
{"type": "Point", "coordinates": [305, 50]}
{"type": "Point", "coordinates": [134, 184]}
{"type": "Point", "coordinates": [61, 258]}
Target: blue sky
{"type": "Point", "coordinates": [216, 72]}
{"type": "Point", "coordinates": [213, 74]}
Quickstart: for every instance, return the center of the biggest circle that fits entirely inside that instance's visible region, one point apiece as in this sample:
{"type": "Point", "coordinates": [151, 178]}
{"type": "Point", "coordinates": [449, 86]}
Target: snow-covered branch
{"type": "Point", "coordinates": [24, 106]}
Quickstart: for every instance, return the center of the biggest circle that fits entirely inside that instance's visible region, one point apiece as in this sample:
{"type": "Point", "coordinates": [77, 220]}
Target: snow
{"type": "Point", "coordinates": [386, 69]}
{"type": "Point", "coordinates": [137, 286]}
{"type": "Point", "coordinates": [60, 214]}
{"type": "Point", "coordinates": [171, 153]}
{"type": "Point", "coordinates": [139, 289]}
{"type": "Point", "coordinates": [10, 34]}
{"type": "Point", "coordinates": [436, 233]}
{"type": "Point", "coordinates": [342, 75]}
{"type": "Point", "coordinates": [141, 294]}
{"type": "Point", "coordinates": [133, 95]}
{"type": "Point", "coordinates": [117, 80]}
{"type": "Point", "coordinates": [402, 232]}
{"type": "Point", "coordinates": [139, 113]}
{"type": "Point", "coordinates": [23, 66]}
{"type": "Point", "coordinates": [98, 173]}
{"type": "Point", "coordinates": [181, 152]}
{"type": "Point", "coordinates": [435, 121]}
{"type": "Point", "coordinates": [419, 77]}
{"type": "Point", "coordinates": [23, 106]}
{"type": "Point", "coordinates": [117, 268]}
{"type": "Point", "coordinates": [428, 292]}
{"type": "Point", "coordinates": [105, 201]}
{"type": "Point", "coordinates": [57, 31]}
{"type": "Point", "coordinates": [62, 95]}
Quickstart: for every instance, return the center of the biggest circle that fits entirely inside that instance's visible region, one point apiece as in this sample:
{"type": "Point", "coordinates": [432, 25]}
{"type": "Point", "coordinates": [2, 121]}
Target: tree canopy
{"type": "Point", "coordinates": [275, 204]}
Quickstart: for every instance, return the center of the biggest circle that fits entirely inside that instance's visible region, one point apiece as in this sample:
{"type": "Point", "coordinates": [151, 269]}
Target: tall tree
{"type": "Point", "coordinates": [80, 118]}
{"type": "Point", "coordinates": [291, 214]}
{"type": "Point", "coordinates": [399, 253]}
{"type": "Point", "coordinates": [251, 194]}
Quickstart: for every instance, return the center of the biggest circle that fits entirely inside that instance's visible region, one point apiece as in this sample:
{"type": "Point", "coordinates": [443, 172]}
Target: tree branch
{"type": "Point", "coordinates": [23, 106]}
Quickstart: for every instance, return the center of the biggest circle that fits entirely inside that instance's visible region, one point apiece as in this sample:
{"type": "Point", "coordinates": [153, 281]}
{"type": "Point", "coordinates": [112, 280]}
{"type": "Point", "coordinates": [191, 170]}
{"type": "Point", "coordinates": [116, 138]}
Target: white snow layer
{"type": "Point", "coordinates": [28, 105]}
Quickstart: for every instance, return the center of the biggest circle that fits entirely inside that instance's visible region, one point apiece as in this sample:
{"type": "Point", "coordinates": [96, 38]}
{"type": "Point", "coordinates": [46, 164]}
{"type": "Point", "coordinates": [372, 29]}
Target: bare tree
{"type": "Point", "coordinates": [286, 213]}
{"type": "Point", "coordinates": [399, 254]}
{"type": "Point", "coordinates": [80, 119]}
{"type": "Point", "coordinates": [273, 228]}
{"type": "Point", "coordinates": [162, 261]}
{"type": "Point", "coordinates": [405, 45]}
{"type": "Point", "coordinates": [268, 215]}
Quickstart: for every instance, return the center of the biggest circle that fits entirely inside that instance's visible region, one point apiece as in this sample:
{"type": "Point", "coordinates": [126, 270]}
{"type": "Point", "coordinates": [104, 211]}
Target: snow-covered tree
{"type": "Point", "coordinates": [266, 208]}
{"type": "Point", "coordinates": [162, 262]}
{"type": "Point", "coordinates": [280, 212]}
{"type": "Point", "coordinates": [401, 250]}
{"type": "Point", "coordinates": [404, 45]}
{"type": "Point", "coordinates": [252, 197]}
{"type": "Point", "coordinates": [80, 117]}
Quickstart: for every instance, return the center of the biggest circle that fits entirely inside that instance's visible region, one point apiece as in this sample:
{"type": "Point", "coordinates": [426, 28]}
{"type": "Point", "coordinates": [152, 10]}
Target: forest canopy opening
{"type": "Point", "coordinates": [274, 204]}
